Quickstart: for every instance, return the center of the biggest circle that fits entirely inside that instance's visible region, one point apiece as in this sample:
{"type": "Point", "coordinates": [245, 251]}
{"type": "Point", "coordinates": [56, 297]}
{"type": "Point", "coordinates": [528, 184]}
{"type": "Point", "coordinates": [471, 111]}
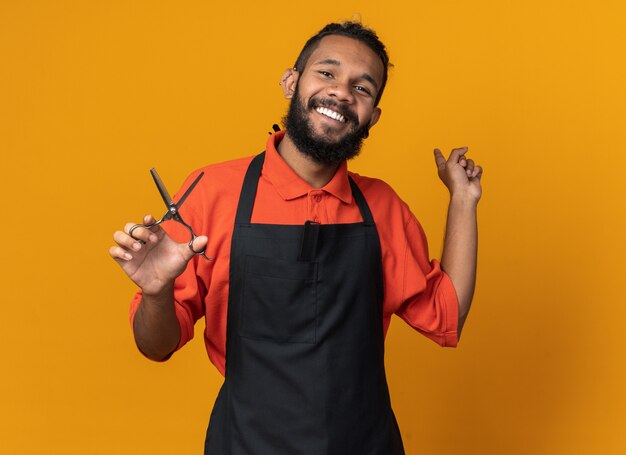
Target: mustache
{"type": "Point", "coordinates": [332, 104]}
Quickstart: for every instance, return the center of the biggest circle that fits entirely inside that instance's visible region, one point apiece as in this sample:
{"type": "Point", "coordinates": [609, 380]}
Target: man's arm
{"type": "Point", "coordinates": [154, 265]}
{"type": "Point", "coordinates": [155, 326]}
{"type": "Point", "coordinates": [458, 260]}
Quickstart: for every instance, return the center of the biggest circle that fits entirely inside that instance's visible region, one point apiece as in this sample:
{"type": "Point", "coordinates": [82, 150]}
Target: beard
{"type": "Point", "coordinates": [321, 148]}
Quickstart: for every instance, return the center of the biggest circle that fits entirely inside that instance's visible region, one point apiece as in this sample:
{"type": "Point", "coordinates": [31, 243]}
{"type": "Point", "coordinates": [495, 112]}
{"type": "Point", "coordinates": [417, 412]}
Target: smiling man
{"type": "Point", "coordinates": [341, 84]}
{"type": "Point", "coordinates": [310, 263]}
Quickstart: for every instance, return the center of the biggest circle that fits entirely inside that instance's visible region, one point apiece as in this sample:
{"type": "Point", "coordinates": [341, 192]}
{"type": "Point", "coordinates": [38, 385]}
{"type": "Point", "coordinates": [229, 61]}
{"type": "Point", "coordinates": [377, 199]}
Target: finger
{"type": "Point", "coordinates": [158, 231]}
{"type": "Point", "coordinates": [456, 154]}
{"type": "Point", "coordinates": [440, 161]}
{"type": "Point", "coordinates": [197, 246]}
{"type": "Point", "coordinates": [469, 169]}
{"type": "Point", "coordinates": [478, 172]}
{"type": "Point", "coordinates": [138, 232]}
{"type": "Point", "coordinates": [463, 161]}
{"type": "Point", "coordinates": [141, 232]}
{"type": "Point", "coordinates": [126, 241]}
{"type": "Point", "coordinates": [199, 243]}
{"type": "Point", "coordinates": [120, 254]}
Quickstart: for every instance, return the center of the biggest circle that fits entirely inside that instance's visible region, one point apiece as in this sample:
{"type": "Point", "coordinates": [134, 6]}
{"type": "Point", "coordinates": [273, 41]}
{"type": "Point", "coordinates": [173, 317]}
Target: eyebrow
{"type": "Point", "coordinates": [332, 61]}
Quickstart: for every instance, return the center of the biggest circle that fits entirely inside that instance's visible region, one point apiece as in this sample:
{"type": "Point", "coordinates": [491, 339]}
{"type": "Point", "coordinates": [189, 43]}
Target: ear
{"type": "Point", "coordinates": [375, 116]}
{"type": "Point", "coordinates": [288, 82]}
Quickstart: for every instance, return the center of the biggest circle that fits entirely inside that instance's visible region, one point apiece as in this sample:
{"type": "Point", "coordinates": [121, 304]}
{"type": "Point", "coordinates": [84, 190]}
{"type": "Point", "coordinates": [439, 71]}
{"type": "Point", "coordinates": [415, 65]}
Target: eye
{"type": "Point", "coordinates": [362, 89]}
{"type": "Point", "coordinates": [325, 73]}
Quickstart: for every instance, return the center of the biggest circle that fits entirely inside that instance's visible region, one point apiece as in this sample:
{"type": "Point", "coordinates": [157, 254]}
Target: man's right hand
{"type": "Point", "coordinates": [155, 264]}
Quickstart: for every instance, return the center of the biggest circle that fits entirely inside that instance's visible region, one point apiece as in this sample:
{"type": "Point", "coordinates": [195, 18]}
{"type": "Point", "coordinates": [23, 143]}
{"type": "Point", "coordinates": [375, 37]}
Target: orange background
{"type": "Point", "coordinates": [93, 94]}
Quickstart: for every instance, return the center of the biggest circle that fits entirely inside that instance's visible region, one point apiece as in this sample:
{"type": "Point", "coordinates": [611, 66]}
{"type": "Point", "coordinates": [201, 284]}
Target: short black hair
{"type": "Point", "coordinates": [350, 29]}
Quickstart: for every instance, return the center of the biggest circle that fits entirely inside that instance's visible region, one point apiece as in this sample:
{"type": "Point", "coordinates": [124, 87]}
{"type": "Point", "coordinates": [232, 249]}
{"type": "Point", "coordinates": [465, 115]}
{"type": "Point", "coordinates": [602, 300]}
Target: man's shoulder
{"type": "Point", "coordinates": [220, 180]}
{"type": "Point", "coordinates": [226, 169]}
{"type": "Point", "coordinates": [382, 198]}
{"type": "Point", "coordinates": [375, 187]}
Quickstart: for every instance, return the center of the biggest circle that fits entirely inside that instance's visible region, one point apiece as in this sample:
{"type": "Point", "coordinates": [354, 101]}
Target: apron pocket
{"type": "Point", "coordinates": [279, 300]}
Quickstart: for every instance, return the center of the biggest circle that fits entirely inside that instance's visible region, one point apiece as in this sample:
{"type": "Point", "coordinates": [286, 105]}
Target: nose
{"type": "Point", "coordinates": [341, 92]}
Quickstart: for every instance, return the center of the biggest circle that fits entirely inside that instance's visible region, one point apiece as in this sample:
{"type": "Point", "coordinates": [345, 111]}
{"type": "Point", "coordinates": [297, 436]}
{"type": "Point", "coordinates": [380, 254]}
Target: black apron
{"type": "Point", "coordinates": [304, 350]}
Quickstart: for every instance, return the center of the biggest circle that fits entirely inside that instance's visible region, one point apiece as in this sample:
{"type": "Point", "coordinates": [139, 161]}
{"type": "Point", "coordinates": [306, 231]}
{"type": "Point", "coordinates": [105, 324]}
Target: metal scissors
{"type": "Point", "coordinates": [172, 211]}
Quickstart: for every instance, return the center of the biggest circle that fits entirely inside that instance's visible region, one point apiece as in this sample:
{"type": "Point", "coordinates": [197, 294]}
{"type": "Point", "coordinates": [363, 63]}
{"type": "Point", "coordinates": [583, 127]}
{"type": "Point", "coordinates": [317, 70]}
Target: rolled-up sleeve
{"type": "Point", "coordinates": [429, 303]}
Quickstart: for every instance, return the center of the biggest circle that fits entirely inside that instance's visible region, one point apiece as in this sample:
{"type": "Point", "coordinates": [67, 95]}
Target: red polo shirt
{"type": "Point", "coordinates": [416, 289]}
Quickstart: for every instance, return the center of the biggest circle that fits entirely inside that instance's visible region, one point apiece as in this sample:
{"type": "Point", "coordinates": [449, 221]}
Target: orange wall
{"type": "Point", "coordinates": [92, 94]}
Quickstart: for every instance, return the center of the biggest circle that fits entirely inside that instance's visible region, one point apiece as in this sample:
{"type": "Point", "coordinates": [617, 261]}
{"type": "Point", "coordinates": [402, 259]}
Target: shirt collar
{"type": "Point", "coordinates": [290, 186]}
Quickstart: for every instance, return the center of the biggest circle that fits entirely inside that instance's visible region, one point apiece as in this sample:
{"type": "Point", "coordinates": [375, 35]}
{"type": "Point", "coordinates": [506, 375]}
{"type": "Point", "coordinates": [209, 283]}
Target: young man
{"type": "Point", "coordinates": [311, 261]}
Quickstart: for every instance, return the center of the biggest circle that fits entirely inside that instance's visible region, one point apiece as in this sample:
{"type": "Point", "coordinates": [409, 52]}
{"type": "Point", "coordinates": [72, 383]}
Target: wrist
{"type": "Point", "coordinates": [463, 199]}
{"type": "Point", "coordinates": [159, 292]}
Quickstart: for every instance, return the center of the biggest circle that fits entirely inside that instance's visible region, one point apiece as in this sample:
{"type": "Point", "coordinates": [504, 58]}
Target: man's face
{"type": "Point", "coordinates": [332, 108]}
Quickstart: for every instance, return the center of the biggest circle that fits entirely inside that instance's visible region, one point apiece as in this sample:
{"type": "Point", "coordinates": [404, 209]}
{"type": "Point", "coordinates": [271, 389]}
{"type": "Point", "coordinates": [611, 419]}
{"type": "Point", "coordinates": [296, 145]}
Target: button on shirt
{"type": "Point", "coordinates": [416, 289]}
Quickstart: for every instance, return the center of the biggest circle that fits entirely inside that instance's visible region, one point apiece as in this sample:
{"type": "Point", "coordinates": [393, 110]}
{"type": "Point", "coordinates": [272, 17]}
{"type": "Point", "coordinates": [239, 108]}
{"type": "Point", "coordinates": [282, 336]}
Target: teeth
{"type": "Point", "coordinates": [332, 114]}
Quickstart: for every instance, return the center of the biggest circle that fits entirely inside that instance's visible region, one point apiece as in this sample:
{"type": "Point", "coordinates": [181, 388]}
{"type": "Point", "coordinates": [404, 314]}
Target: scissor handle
{"type": "Point", "coordinates": [202, 253]}
{"type": "Point", "coordinates": [180, 220]}
{"type": "Point", "coordinates": [147, 226]}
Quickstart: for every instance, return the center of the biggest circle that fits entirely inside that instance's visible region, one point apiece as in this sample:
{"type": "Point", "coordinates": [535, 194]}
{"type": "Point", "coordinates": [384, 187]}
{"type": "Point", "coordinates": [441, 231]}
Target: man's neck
{"type": "Point", "coordinates": [315, 174]}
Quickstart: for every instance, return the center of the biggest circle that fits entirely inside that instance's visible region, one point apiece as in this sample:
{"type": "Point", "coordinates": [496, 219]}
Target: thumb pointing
{"type": "Point", "coordinates": [440, 161]}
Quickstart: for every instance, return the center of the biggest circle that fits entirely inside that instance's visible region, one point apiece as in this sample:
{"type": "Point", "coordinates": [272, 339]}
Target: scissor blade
{"type": "Point", "coordinates": [189, 190]}
{"type": "Point", "coordinates": [164, 194]}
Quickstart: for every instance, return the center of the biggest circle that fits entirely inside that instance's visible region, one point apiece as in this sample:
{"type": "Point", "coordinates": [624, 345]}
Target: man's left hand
{"type": "Point", "coordinates": [460, 175]}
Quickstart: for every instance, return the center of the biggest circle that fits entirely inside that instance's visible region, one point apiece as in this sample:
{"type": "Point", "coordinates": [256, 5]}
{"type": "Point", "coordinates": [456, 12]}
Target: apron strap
{"type": "Point", "coordinates": [248, 190]}
{"type": "Point", "coordinates": [366, 214]}
{"type": "Point", "coordinates": [250, 184]}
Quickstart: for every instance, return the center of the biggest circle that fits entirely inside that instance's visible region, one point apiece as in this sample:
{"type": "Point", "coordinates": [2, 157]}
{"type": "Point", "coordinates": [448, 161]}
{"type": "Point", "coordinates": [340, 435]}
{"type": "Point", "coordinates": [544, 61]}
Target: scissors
{"type": "Point", "coordinates": [172, 211]}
